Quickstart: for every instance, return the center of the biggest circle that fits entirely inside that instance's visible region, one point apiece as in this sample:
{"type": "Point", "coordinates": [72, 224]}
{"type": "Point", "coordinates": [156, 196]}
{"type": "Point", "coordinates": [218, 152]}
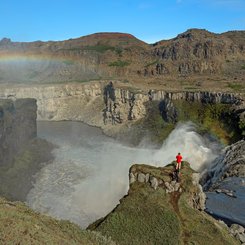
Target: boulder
{"type": "Point", "coordinates": [141, 177]}
{"type": "Point", "coordinates": [132, 178]}
{"type": "Point", "coordinates": [154, 182]}
{"type": "Point", "coordinates": [235, 229]}
{"type": "Point", "coordinates": [240, 237]}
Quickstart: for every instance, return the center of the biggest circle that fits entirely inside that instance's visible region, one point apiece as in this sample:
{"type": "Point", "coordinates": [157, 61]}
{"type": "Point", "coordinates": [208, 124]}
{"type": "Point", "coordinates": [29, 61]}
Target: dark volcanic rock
{"type": "Point", "coordinates": [231, 163]}
{"type": "Point", "coordinates": [17, 127]}
{"type": "Point", "coordinates": [224, 182]}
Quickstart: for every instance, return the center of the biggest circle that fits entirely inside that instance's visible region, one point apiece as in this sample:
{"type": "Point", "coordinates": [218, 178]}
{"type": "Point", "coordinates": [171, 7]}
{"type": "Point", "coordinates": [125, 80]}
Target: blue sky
{"type": "Point", "coordinates": [148, 20]}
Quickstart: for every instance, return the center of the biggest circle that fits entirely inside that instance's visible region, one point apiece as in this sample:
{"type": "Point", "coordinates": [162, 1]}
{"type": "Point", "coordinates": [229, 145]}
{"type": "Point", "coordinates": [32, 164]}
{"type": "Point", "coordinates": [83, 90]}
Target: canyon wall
{"type": "Point", "coordinates": [17, 127]}
{"type": "Point", "coordinates": [103, 105]}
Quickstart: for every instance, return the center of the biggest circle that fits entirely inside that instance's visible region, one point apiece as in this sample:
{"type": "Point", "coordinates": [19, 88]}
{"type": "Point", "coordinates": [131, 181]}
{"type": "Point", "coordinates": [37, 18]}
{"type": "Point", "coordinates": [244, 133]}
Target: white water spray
{"type": "Point", "coordinates": [90, 171]}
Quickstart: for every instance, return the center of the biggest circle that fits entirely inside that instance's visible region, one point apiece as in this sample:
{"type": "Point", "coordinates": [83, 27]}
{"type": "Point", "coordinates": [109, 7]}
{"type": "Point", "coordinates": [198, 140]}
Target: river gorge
{"type": "Point", "coordinates": [89, 172]}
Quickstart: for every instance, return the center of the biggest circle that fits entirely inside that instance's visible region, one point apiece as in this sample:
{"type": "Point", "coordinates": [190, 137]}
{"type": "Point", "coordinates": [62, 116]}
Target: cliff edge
{"type": "Point", "coordinates": [157, 210]}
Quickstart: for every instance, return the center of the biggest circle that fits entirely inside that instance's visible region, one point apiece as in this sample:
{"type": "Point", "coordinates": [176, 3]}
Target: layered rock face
{"type": "Point", "coordinates": [106, 105]}
{"type": "Point", "coordinates": [198, 51]}
{"type": "Point", "coordinates": [17, 127]}
{"type": "Point", "coordinates": [231, 163]}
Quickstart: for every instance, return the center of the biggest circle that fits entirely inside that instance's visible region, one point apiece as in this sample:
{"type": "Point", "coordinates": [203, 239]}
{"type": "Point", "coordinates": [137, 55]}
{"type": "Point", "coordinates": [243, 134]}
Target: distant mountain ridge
{"type": "Point", "coordinates": [194, 53]}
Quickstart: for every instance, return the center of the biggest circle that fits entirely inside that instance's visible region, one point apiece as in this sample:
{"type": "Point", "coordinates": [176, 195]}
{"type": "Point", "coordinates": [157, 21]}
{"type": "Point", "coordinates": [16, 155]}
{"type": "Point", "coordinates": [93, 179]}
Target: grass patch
{"type": "Point", "coordinates": [20, 225]}
{"type": "Point", "coordinates": [190, 88]}
{"type": "Point", "coordinates": [152, 63]}
{"type": "Point", "coordinates": [202, 229]}
{"type": "Point", "coordinates": [119, 51]}
{"type": "Point", "coordinates": [100, 48]}
{"type": "Point", "coordinates": [134, 222]}
{"type": "Point", "coordinates": [236, 86]}
{"type": "Point", "coordinates": [119, 63]}
{"type": "Point", "coordinates": [243, 67]}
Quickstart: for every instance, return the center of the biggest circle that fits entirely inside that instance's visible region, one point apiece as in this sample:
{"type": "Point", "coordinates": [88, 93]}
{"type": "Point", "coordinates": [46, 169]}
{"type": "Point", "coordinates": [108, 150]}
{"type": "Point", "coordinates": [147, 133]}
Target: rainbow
{"type": "Point", "coordinates": [15, 57]}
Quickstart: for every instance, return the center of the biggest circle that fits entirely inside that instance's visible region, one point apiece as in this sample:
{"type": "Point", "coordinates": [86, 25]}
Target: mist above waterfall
{"type": "Point", "coordinates": [90, 171]}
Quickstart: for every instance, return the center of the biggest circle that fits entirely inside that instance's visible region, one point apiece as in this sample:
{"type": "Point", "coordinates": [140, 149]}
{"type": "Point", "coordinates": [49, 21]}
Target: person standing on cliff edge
{"type": "Point", "coordinates": [178, 166]}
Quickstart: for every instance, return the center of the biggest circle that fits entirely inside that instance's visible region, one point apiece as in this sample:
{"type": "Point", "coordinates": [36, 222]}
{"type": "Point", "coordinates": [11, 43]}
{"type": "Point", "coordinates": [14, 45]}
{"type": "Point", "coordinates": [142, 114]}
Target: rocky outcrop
{"type": "Point", "coordinates": [238, 232]}
{"type": "Point", "coordinates": [196, 51]}
{"type": "Point", "coordinates": [199, 197]}
{"type": "Point", "coordinates": [231, 163]}
{"type": "Point", "coordinates": [17, 127]}
{"type": "Point", "coordinates": [224, 183]}
{"type": "Point", "coordinates": [145, 175]}
{"type": "Point", "coordinates": [149, 214]}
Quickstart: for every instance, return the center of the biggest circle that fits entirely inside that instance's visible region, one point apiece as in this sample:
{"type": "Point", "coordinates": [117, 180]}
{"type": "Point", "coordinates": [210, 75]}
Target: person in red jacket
{"type": "Point", "coordinates": [178, 166]}
{"type": "Point", "coordinates": [178, 160]}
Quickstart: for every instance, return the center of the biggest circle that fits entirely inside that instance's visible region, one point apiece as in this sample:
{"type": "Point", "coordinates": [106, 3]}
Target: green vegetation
{"type": "Point", "coordinates": [243, 67]}
{"type": "Point", "coordinates": [119, 63]}
{"type": "Point", "coordinates": [214, 118]}
{"type": "Point", "coordinates": [68, 62]}
{"type": "Point", "coordinates": [242, 126]}
{"type": "Point", "coordinates": [147, 216]}
{"type": "Point", "coordinates": [236, 86]}
{"type": "Point", "coordinates": [190, 88]}
{"type": "Point", "coordinates": [20, 225]}
{"type": "Point", "coordinates": [100, 48]}
{"type": "Point", "coordinates": [143, 217]}
{"type": "Point", "coordinates": [209, 118]}
{"type": "Point", "coordinates": [152, 63]}
{"type": "Point", "coordinates": [119, 51]}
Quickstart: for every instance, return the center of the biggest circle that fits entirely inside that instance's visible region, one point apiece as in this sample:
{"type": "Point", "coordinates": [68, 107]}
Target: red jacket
{"type": "Point", "coordinates": [179, 158]}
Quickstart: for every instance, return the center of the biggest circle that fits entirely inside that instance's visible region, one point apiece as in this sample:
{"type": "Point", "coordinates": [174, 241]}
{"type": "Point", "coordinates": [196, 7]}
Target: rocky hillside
{"type": "Point", "coordinates": [160, 211]}
{"type": "Point", "coordinates": [193, 54]}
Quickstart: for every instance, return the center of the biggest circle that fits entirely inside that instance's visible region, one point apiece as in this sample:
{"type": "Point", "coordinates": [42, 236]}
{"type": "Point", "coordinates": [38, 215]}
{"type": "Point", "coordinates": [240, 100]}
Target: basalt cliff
{"type": "Point", "coordinates": [117, 108]}
{"type": "Point", "coordinates": [17, 127]}
{"type": "Point", "coordinates": [22, 154]}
